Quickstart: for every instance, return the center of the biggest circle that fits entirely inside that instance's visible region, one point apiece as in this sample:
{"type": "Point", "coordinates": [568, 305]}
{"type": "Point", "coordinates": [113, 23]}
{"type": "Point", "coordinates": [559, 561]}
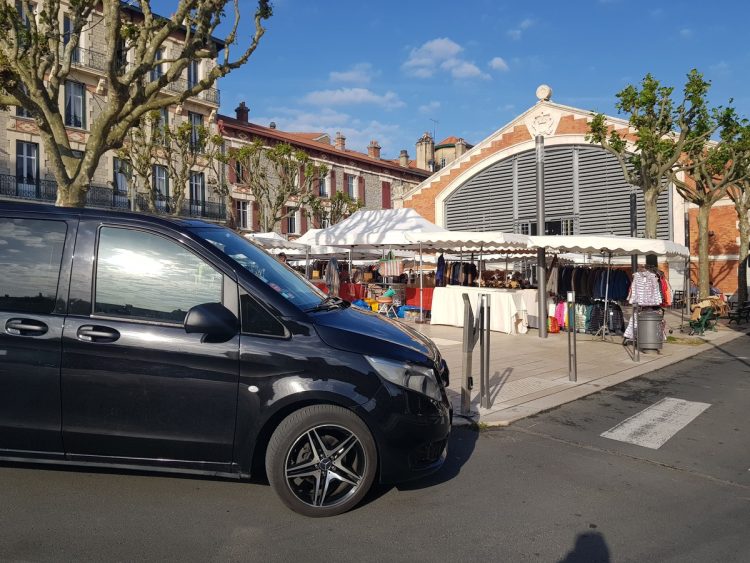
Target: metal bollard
{"type": "Point", "coordinates": [471, 334]}
{"type": "Point", "coordinates": [572, 358]}
{"type": "Point", "coordinates": [484, 351]}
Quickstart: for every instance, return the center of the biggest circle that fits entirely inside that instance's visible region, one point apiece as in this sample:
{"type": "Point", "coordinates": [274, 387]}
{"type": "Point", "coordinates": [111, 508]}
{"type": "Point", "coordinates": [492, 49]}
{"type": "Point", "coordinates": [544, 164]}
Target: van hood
{"type": "Point", "coordinates": [363, 332]}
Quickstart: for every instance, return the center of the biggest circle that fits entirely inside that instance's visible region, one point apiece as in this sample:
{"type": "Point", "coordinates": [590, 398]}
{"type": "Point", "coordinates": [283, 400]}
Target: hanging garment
{"type": "Point", "coordinates": [645, 289]}
{"type": "Point", "coordinates": [440, 272]}
{"type": "Point", "coordinates": [332, 277]}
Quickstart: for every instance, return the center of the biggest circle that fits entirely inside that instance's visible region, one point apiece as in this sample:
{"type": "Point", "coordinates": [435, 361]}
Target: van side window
{"type": "Point", "coordinates": [145, 276]}
{"type": "Point", "coordinates": [257, 320]}
{"type": "Point", "coordinates": [30, 255]}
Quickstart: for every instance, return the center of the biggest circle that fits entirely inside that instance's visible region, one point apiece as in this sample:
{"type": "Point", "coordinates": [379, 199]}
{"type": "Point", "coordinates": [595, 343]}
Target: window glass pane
{"type": "Point", "coordinates": [30, 255]}
{"type": "Point", "coordinates": [265, 267]}
{"type": "Point", "coordinates": [256, 320]}
{"type": "Point", "coordinates": [145, 276]}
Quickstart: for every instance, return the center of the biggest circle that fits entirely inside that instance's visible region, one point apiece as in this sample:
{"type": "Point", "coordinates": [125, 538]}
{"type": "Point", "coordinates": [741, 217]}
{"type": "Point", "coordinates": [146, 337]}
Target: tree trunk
{"type": "Point", "coordinates": [744, 221]}
{"type": "Point", "coordinates": [72, 195]}
{"type": "Point", "coordinates": [231, 214]}
{"type": "Point", "coordinates": [703, 267]}
{"type": "Point", "coordinates": [650, 197]}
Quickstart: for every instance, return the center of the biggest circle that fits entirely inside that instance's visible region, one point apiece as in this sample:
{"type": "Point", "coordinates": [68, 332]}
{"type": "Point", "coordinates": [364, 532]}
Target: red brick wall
{"type": "Point", "coordinates": [723, 224]}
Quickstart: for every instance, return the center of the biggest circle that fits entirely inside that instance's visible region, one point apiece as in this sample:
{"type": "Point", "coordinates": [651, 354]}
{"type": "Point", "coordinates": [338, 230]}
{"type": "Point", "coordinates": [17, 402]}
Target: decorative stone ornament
{"type": "Point", "coordinates": [543, 93]}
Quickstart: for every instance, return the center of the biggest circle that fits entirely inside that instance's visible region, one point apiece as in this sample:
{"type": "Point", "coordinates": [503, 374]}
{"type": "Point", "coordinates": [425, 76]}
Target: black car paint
{"type": "Point", "coordinates": [161, 398]}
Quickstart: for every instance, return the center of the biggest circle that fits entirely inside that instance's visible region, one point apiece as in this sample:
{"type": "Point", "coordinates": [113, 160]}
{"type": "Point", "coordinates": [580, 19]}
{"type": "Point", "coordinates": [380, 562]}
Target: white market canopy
{"type": "Point", "coordinates": [382, 228]}
{"type": "Point", "coordinates": [618, 246]}
{"type": "Point", "coordinates": [471, 241]}
{"type": "Point", "coordinates": [276, 241]}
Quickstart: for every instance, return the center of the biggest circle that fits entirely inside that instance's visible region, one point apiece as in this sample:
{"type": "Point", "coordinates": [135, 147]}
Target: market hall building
{"type": "Point", "coordinates": [493, 185]}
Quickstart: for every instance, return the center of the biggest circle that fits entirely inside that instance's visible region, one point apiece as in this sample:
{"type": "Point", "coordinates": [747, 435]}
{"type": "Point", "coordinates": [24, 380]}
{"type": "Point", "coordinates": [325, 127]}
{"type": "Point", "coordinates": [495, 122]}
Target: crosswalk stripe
{"type": "Point", "coordinates": [652, 427]}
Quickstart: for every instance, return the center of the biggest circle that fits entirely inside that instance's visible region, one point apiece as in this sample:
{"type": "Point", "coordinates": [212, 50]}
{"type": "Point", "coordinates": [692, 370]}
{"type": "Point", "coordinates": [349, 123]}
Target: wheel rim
{"type": "Point", "coordinates": [325, 466]}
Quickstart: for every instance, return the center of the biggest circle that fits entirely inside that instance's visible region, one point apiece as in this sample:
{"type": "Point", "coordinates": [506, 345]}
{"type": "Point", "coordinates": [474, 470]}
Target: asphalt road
{"type": "Point", "coordinates": [549, 488]}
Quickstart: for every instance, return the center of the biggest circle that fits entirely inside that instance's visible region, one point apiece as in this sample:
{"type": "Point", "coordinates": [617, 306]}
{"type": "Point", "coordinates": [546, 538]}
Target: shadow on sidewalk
{"type": "Point", "coordinates": [497, 381]}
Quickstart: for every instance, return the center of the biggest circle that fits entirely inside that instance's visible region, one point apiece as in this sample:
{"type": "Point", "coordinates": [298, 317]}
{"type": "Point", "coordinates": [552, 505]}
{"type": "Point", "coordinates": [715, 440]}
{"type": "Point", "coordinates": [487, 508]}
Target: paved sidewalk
{"type": "Point", "coordinates": [529, 375]}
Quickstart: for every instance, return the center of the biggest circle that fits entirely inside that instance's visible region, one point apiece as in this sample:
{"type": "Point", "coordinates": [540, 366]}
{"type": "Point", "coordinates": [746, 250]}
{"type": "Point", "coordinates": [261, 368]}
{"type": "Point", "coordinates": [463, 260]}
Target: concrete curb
{"type": "Point", "coordinates": [512, 413]}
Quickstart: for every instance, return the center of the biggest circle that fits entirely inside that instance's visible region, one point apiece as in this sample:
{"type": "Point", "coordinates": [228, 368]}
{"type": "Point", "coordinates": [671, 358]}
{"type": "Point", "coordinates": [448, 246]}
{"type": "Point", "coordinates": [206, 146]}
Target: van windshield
{"type": "Point", "coordinates": [265, 267]}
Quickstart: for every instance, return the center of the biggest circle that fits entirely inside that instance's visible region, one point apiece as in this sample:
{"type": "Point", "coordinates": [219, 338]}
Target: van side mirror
{"type": "Point", "coordinates": [214, 321]}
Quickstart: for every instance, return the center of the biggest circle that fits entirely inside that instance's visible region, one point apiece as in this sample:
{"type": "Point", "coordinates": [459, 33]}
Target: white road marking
{"type": "Point", "coordinates": [445, 342]}
{"type": "Point", "coordinates": [652, 427]}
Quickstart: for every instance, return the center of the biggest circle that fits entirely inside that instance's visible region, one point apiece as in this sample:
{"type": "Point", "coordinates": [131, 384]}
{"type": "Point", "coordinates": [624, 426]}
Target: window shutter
{"type": "Point", "coordinates": [344, 184]}
{"type": "Point", "coordinates": [361, 189]}
{"type": "Point", "coordinates": [333, 183]}
{"type": "Point", "coordinates": [316, 186]}
{"type": "Point", "coordinates": [301, 177]}
{"type": "Point", "coordinates": [256, 217]}
{"type": "Point", "coordinates": [285, 222]}
{"type": "Point", "coordinates": [302, 222]}
{"type": "Point", "coordinates": [232, 172]}
{"type": "Point", "coordinates": [386, 203]}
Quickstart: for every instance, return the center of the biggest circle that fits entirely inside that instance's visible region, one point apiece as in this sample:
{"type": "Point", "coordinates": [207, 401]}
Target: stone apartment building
{"type": "Point", "coordinates": [24, 169]}
{"type": "Point", "coordinates": [374, 181]}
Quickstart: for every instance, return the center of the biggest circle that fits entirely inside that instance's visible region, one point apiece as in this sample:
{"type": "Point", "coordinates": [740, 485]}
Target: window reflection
{"type": "Point", "coordinates": [30, 255]}
{"type": "Point", "coordinates": [145, 276]}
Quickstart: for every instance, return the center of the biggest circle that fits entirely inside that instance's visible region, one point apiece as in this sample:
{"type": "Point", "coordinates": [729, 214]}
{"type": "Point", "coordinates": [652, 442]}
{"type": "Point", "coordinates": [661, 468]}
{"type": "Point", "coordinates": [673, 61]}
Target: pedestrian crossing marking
{"type": "Point", "coordinates": [652, 427]}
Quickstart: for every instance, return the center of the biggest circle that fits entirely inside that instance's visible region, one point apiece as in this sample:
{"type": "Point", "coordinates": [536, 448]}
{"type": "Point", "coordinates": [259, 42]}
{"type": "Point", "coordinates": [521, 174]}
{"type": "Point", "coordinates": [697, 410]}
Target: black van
{"type": "Point", "coordinates": [178, 345]}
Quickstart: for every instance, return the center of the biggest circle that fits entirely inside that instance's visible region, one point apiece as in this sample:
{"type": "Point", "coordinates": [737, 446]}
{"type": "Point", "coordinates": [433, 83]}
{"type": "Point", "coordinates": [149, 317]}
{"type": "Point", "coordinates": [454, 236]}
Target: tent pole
{"type": "Point", "coordinates": [605, 327]}
{"type": "Point", "coordinates": [479, 281]}
{"type": "Point", "coordinates": [307, 261]}
{"type": "Point", "coordinates": [421, 285]}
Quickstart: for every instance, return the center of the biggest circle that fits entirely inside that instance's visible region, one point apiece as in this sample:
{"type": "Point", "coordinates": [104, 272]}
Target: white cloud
{"type": "Point", "coordinates": [353, 96]}
{"type": "Point", "coordinates": [517, 32]}
{"type": "Point", "coordinates": [429, 108]}
{"type": "Point", "coordinates": [440, 54]}
{"type": "Point", "coordinates": [360, 73]}
{"type": "Point", "coordinates": [498, 63]}
{"type": "Point", "coordinates": [358, 133]}
{"type": "Point", "coordinates": [686, 32]}
{"type": "Point", "coordinates": [721, 68]}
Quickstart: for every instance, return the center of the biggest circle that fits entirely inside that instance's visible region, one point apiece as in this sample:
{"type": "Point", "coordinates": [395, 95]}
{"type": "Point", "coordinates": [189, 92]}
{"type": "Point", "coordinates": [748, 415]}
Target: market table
{"type": "Point", "coordinates": [508, 307]}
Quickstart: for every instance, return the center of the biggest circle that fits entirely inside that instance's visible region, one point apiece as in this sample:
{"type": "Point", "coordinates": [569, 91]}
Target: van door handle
{"type": "Point", "coordinates": [25, 327]}
{"type": "Point", "coordinates": [92, 333]}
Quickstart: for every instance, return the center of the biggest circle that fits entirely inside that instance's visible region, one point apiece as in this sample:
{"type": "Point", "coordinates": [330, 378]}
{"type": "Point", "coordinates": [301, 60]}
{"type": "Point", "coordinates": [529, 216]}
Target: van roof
{"type": "Point", "coordinates": [104, 213]}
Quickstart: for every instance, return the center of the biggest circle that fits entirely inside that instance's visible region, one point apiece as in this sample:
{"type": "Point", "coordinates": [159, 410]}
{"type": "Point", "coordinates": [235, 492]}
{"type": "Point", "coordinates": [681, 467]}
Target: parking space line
{"type": "Point", "coordinates": [652, 427]}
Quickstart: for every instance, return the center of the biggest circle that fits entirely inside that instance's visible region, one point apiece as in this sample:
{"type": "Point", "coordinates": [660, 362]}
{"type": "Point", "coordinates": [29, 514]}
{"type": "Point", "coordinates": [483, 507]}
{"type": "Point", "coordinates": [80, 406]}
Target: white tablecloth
{"type": "Point", "coordinates": [508, 307]}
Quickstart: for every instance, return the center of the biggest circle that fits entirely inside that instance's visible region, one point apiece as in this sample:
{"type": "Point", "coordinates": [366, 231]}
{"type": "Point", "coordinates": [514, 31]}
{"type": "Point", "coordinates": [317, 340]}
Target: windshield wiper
{"type": "Point", "coordinates": [327, 304]}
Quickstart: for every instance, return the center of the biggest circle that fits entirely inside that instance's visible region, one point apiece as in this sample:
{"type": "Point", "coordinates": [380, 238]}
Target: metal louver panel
{"type": "Point", "coordinates": [485, 201]}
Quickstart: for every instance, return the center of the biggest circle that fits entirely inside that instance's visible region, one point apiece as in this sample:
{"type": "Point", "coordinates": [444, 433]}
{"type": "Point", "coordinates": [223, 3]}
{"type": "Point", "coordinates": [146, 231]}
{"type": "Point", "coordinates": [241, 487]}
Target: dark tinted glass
{"type": "Point", "coordinates": [265, 267]}
{"type": "Point", "coordinates": [145, 276]}
{"type": "Point", "coordinates": [30, 255]}
{"type": "Point", "coordinates": [256, 320]}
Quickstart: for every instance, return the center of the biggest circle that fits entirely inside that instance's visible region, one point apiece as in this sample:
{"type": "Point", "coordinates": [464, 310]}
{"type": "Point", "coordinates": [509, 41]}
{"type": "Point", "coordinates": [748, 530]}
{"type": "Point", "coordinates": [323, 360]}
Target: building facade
{"type": "Point", "coordinates": [366, 177]}
{"type": "Point", "coordinates": [24, 166]}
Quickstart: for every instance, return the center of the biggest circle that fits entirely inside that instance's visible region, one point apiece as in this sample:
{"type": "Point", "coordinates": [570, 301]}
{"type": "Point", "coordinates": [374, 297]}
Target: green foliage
{"type": "Point", "coordinates": [280, 178]}
{"type": "Point", "coordinates": [663, 130]}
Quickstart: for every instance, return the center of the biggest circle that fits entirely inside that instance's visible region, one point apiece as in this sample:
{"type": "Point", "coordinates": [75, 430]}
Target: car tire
{"type": "Point", "coordinates": [321, 460]}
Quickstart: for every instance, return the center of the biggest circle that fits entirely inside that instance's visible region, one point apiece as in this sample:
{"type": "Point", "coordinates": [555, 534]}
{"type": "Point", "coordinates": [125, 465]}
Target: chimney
{"type": "Point", "coordinates": [461, 147]}
{"type": "Point", "coordinates": [373, 149]}
{"type": "Point", "coordinates": [426, 152]}
{"type": "Point", "coordinates": [242, 112]}
{"type": "Point", "coordinates": [340, 141]}
{"type": "Point", "coordinates": [403, 159]}
{"type": "Point", "coordinates": [272, 125]}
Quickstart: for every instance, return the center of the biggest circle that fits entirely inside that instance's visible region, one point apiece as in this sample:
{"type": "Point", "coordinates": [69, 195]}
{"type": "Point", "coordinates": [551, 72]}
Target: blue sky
{"type": "Point", "coordinates": [385, 69]}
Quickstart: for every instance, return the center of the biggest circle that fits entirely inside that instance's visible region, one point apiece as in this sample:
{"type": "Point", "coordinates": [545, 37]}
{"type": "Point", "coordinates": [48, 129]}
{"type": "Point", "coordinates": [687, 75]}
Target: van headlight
{"type": "Point", "coordinates": [417, 378]}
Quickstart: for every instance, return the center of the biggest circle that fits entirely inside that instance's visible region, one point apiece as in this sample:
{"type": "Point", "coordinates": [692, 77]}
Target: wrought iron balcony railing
{"type": "Point", "coordinates": [45, 191]}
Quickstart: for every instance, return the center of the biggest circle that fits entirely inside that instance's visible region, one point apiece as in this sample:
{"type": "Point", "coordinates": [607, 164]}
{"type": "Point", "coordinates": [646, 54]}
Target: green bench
{"type": "Point", "coordinates": [739, 314]}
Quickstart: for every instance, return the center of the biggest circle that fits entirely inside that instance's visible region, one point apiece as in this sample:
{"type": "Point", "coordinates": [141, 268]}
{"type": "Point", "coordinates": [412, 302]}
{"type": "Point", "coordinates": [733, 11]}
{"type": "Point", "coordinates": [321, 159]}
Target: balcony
{"type": "Point", "coordinates": [86, 58]}
{"type": "Point", "coordinates": [103, 197]}
{"type": "Point", "coordinates": [211, 95]}
{"type": "Point", "coordinates": [211, 209]}
{"type": "Point", "coordinates": [93, 60]}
